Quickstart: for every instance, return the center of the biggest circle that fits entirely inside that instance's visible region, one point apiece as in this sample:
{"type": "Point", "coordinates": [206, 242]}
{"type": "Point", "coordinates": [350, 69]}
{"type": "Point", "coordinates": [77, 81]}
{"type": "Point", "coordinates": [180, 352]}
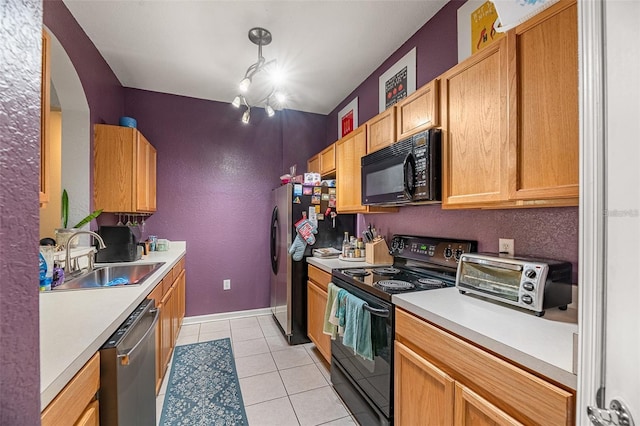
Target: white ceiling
{"type": "Point", "coordinates": [201, 48]}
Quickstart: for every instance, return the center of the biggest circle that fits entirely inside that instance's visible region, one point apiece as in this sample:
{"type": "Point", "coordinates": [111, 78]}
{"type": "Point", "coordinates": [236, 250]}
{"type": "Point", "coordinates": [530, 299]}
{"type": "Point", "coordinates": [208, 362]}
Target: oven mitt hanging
{"type": "Point", "coordinates": [305, 229]}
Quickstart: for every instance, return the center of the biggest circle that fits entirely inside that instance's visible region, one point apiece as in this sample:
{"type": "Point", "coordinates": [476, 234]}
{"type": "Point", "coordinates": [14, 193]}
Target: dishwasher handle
{"type": "Point", "coordinates": [125, 357]}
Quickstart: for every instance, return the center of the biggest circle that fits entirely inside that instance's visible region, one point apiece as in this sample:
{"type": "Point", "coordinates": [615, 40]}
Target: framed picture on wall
{"type": "Point", "coordinates": [476, 27]}
{"type": "Point", "coordinates": [348, 118]}
{"type": "Point", "coordinates": [398, 82]}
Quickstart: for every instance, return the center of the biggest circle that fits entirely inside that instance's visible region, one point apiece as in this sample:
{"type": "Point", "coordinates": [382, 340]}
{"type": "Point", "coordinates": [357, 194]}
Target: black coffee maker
{"type": "Point", "coordinates": [122, 245]}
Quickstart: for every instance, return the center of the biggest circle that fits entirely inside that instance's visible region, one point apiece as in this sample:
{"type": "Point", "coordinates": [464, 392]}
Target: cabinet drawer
{"type": "Point", "coordinates": [524, 396]}
{"type": "Point", "coordinates": [319, 277]}
{"type": "Point", "coordinates": [72, 401]}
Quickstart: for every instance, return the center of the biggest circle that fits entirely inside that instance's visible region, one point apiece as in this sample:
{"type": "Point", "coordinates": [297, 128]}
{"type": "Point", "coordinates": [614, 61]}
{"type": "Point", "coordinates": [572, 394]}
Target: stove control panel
{"type": "Point", "coordinates": [442, 251]}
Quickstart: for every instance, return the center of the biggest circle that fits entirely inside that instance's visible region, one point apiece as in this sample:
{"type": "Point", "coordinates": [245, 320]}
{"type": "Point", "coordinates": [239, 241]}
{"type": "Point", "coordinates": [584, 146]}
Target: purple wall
{"type": "Point", "coordinates": [436, 46]}
{"type": "Point", "coordinates": [105, 94]}
{"type": "Point", "coordinates": [548, 232]}
{"type": "Point", "coordinates": [215, 177]}
{"type": "Point", "coordinates": [20, 64]}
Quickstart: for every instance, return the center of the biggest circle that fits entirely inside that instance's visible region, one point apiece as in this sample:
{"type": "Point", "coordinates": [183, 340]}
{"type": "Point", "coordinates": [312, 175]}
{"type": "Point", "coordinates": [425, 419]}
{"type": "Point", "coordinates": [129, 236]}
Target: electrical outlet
{"type": "Point", "coordinates": [226, 285]}
{"type": "Point", "coordinates": [506, 246]}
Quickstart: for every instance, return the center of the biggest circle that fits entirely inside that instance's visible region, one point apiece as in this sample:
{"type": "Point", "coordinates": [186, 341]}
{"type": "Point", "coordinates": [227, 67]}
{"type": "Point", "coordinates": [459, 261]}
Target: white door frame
{"type": "Point", "coordinates": [592, 248]}
{"type": "Point", "coordinates": [609, 100]}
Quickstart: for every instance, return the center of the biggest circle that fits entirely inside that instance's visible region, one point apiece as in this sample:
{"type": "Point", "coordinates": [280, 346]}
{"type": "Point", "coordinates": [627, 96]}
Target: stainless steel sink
{"type": "Point", "coordinates": [112, 276]}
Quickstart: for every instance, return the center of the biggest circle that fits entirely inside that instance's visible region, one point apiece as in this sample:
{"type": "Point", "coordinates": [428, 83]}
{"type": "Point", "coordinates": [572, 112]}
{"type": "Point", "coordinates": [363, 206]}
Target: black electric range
{"type": "Point", "coordinates": [420, 263]}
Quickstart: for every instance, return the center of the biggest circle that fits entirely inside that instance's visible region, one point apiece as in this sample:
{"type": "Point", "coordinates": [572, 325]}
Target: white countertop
{"type": "Point", "coordinates": [74, 324]}
{"type": "Point", "coordinates": [328, 264]}
{"type": "Point", "coordinates": [543, 344]}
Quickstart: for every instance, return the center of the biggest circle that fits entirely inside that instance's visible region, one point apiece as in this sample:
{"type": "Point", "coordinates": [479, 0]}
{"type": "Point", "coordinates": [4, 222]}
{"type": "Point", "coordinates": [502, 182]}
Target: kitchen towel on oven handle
{"type": "Point", "coordinates": [331, 323]}
{"type": "Point", "coordinates": [357, 330]}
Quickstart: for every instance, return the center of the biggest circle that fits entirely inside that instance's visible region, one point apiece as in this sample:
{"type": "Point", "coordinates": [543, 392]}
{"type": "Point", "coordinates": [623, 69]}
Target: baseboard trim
{"type": "Point", "coordinates": [226, 315]}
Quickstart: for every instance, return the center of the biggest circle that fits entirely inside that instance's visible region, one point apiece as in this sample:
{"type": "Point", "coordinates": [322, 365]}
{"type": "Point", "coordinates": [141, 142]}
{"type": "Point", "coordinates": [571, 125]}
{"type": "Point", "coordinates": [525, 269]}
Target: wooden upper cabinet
{"type": "Point", "coordinates": [543, 107]}
{"type": "Point", "coordinates": [349, 151]}
{"type": "Point", "coordinates": [146, 171]}
{"type": "Point", "coordinates": [328, 161]}
{"type": "Point", "coordinates": [419, 111]}
{"type": "Point", "coordinates": [124, 170]}
{"type": "Point", "coordinates": [381, 130]}
{"type": "Point", "coordinates": [313, 164]}
{"type": "Point", "coordinates": [45, 107]}
{"type": "Point", "coordinates": [474, 128]}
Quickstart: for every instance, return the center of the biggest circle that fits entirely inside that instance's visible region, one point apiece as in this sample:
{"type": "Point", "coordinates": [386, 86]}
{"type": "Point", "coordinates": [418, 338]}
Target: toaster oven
{"type": "Point", "coordinates": [533, 284]}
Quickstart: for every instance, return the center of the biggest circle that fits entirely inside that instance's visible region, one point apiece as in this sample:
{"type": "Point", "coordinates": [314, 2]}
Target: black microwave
{"type": "Point", "coordinates": [407, 172]}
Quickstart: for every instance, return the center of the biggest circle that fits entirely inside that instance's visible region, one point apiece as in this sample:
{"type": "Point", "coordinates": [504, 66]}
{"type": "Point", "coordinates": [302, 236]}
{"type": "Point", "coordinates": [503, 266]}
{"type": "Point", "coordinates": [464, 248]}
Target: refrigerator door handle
{"type": "Point", "coordinates": [274, 233]}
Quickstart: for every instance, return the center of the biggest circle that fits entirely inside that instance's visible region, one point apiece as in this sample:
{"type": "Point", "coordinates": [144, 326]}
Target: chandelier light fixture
{"type": "Point", "coordinates": [260, 37]}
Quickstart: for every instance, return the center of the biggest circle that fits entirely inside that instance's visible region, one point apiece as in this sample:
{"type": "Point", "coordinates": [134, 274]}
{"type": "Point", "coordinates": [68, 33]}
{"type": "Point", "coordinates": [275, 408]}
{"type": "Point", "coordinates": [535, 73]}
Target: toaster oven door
{"type": "Point", "coordinates": [492, 278]}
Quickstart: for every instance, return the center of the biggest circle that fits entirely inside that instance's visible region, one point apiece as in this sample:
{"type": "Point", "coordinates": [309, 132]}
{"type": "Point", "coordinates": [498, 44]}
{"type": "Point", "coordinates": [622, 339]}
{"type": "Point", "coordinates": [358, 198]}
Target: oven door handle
{"type": "Point", "coordinates": [378, 312]}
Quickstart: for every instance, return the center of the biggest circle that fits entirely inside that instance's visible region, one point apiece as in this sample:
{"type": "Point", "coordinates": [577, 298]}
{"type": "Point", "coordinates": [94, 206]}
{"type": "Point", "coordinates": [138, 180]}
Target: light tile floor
{"type": "Point", "coordinates": [281, 384]}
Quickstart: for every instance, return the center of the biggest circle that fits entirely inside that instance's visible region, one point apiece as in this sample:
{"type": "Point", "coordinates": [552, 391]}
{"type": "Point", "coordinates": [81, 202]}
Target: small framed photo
{"type": "Point", "coordinates": [397, 82]}
{"type": "Point", "coordinates": [348, 118]}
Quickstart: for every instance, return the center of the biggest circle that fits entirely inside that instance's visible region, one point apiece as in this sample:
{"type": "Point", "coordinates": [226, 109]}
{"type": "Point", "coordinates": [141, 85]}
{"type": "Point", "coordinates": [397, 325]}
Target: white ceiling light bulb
{"type": "Point", "coordinates": [281, 98]}
{"type": "Point", "coordinates": [244, 84]}
{"type": "Point", "coordinates": [270, 111]}
{"type": "Point", "coordinates": [236, 102]}
{"type": "Point", "coordinates": [246, 116]}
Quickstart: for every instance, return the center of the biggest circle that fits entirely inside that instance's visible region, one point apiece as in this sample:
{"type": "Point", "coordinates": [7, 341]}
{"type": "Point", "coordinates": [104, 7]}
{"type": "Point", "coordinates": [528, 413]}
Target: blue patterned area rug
{"type": "Point", "coordinates": [203, 387]}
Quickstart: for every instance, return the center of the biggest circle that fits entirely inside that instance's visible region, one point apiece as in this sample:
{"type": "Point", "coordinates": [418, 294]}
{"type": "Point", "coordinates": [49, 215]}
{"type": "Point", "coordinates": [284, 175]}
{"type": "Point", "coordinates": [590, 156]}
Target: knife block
{"type": "Point", "coordinates": [378, 253]}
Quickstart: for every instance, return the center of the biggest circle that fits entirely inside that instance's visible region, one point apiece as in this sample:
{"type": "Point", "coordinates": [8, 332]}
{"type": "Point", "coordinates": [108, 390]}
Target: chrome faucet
{"type": "Point", "coordinates": [67, 258]}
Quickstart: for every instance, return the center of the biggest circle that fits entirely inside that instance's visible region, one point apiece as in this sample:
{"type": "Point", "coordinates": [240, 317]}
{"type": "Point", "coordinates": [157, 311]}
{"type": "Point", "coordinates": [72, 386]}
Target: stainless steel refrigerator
{"type": "Point", "coordinates": [289, 277]}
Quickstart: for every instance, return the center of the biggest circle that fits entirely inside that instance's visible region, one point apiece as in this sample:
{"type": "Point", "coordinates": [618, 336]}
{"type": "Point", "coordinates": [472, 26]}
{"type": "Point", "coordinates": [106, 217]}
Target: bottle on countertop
{"type": "Point", "coordinates": [346, 245]}
{"type": "Point", "coordinates": [46, 267]}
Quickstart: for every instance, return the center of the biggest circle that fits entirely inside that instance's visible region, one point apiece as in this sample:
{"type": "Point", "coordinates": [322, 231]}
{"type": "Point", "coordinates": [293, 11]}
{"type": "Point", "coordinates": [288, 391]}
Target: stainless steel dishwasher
{"type": "Point", "coordinates": [127, 371]}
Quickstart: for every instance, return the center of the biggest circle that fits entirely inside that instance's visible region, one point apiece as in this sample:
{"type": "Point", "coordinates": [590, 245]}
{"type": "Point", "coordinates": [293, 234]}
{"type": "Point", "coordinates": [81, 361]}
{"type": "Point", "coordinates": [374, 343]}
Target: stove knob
{"type": "Point", "coordinates": [527, 299]}
{"type": "Point", "coordinates": [530, 273]}
{"type": "Point", "coordinates": [397, 245]}
{"type": "Point", "coordinates": [458, 254]}
{"type": "Point", "coordinates": [448, 253]}
{"type": "Point", "coordinates": [528, 286]}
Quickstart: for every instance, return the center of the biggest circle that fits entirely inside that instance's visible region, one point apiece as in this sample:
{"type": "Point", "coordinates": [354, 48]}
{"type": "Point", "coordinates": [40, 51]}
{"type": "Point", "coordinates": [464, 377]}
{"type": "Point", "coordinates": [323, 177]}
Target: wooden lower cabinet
{"type": "Point", "coordinates": [91, 416]}
{"type": "Point", "coordinates": [76, 404]}
{"type": "Point", "coordinates": [473, 410]}
{"type": "Point", "coordinates": [441, 379]}
{"type": "Point", "coordinates": [166, 338]}
{"type": "Point", "coordinates": [316, 303]}
{"type": "Point", "coordinates": [424, 394]}
{"type": "Point", "coordinates": [156, 295]}
{"type": "Point", "coordinates": [169, 296]}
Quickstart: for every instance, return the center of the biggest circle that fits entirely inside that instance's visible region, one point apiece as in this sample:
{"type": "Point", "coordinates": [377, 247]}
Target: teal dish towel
{"type": "Point", "coordinates": [357, 331]}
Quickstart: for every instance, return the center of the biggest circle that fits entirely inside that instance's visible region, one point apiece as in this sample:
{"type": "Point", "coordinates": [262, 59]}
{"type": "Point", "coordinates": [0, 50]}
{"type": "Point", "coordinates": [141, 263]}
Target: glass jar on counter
{"type": "Point", "coordinates": [153, 242]}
